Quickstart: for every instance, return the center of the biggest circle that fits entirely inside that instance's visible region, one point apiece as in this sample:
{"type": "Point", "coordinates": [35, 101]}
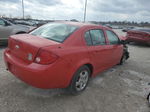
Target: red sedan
{"type": "Point", "coordinates": [65, 54]}
{"type": "Point", "coordinates": [139, 35]}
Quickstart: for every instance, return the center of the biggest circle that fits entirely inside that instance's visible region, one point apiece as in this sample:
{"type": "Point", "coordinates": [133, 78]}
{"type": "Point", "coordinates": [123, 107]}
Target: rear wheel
{"type": "Point", "coordinates": [80, 80]}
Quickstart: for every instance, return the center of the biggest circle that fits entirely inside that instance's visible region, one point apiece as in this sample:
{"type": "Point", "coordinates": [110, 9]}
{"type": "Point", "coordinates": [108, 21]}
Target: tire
{"type": "Point", "coordinates": [148, 98]}
{"type": "Point", "coordinates": [79, 81]}
{"type": "Point", "coordinates": [125, 55]}
{"type": "Point", "coordinates": [123, 59]}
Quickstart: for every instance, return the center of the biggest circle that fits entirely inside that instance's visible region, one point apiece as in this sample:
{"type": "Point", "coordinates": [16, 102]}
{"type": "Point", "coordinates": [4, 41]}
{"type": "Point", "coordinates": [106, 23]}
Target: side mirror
{"type": "Point", "coordinates": [123, 42]}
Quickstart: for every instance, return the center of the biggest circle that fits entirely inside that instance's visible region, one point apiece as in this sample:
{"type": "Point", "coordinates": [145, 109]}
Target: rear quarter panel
{"type": "Point", "coordinates": [73, 51]}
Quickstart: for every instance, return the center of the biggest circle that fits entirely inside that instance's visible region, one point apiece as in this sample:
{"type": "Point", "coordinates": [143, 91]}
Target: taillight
{"type": "Point", "coordinates": [45, 57]}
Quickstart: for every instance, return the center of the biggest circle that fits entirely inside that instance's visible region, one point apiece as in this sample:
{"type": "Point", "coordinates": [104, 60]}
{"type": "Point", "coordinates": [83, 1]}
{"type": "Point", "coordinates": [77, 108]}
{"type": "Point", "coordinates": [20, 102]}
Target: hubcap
{"type": "Point", "coordinates": [82, 80]}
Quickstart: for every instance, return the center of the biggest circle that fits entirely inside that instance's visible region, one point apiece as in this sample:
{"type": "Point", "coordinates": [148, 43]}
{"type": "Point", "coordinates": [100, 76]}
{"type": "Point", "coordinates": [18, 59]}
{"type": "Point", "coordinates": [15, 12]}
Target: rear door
{"type": "Point", "coordinates": [116, 47]}
{"type": "Point", "coordinates": [99, 51]}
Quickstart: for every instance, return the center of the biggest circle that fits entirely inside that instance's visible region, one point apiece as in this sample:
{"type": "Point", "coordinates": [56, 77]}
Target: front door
{"type": "Point", "coordinates": [99, 51]}
{"type": "Point", "coordinates": [117, 48]}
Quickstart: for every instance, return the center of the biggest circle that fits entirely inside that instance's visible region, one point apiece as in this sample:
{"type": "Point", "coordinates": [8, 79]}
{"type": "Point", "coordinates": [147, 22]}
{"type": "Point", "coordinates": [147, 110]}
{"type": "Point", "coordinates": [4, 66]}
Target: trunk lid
{"type": "Point", "coordinates": [26, 46]}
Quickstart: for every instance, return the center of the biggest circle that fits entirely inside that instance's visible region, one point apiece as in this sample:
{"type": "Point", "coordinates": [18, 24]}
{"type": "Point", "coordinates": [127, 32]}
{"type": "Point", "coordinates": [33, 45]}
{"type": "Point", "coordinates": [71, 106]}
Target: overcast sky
{"type": "Point", "coordinates": [97, 10]}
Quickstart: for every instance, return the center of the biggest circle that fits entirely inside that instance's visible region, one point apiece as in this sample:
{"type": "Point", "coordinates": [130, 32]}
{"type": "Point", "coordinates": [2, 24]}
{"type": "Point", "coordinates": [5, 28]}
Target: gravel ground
{"type": "Point", "coordinates": [119, 89]}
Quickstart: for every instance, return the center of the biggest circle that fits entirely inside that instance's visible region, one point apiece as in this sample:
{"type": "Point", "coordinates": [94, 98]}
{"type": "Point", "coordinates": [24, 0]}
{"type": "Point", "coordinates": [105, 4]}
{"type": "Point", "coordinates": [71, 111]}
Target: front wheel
{"type": "Point", "coordinates": [148, 98]}
{"type": "Point", "coordinates": [125, 55]}
{"type": "Point", "coordinates": [80, 80]}
{"type": "Point", "coordinates": [123, 59]}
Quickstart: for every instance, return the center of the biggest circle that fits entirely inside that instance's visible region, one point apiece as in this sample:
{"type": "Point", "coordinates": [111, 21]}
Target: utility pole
{"type": "Point", "coordinates": [85, 10]}
{"type": "Point", "coordinates": [23, 9]}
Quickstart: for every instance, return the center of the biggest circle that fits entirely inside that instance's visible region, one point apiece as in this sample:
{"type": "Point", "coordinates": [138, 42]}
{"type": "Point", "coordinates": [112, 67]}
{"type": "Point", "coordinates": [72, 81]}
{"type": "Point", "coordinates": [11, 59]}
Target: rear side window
{"type": "Point", "coordinates": [112, 37]}
{"type": "Point", "coordinates": [88, 38]}
{"type": "Point", "coordinates": [95, 37]}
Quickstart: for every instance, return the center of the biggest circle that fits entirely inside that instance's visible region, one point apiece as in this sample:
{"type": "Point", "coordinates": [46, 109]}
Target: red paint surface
{"type": "Point", "coordinates": [71, 55]}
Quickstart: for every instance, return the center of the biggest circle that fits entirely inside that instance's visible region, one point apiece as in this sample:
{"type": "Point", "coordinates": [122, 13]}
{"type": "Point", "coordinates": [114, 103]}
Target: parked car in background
{"type": "Point", "coordinates": [107, 25]}
{"type": "Point", "coordinates": [127, 28]}
{"type": "Point", "coordinates": [116, 27]}
{"type": "Point", "coordinates": [64, 54]}
{"type": "Point", "coordinates": [139, 35]}
{"type": "Point", "coordinates": [7, 28]}
{"type": "Point", "coordinates": [25, 22]}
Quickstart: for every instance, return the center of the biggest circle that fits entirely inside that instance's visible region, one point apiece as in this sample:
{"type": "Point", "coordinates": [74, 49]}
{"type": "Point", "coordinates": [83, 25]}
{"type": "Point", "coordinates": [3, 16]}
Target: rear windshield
{"type": "Point", "coordinates": [54, 31]}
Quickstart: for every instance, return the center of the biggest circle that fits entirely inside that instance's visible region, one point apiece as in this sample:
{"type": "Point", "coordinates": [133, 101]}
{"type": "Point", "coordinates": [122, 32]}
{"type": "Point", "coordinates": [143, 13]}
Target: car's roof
{"type": "Point", "coordinates": [79, 24]}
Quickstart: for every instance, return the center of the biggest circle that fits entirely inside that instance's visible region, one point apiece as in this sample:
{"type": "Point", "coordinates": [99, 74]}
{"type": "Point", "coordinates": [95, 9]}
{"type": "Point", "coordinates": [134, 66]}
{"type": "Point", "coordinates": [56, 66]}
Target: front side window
{"type": "Point", "coordinates": [54, 31]}
{"type": "Point", "coordinates": [2, 22]}
{"type": "Point", "coordinates": [95, 37]}
{"type": "Point", "coordinates": [112, 37]}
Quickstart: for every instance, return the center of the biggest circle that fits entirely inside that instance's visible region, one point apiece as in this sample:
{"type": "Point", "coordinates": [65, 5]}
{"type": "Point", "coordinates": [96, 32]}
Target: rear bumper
{"type": "Point", "coordinates": [140, 40]}
{"type": "Point", "coordinates": [41, 76]}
